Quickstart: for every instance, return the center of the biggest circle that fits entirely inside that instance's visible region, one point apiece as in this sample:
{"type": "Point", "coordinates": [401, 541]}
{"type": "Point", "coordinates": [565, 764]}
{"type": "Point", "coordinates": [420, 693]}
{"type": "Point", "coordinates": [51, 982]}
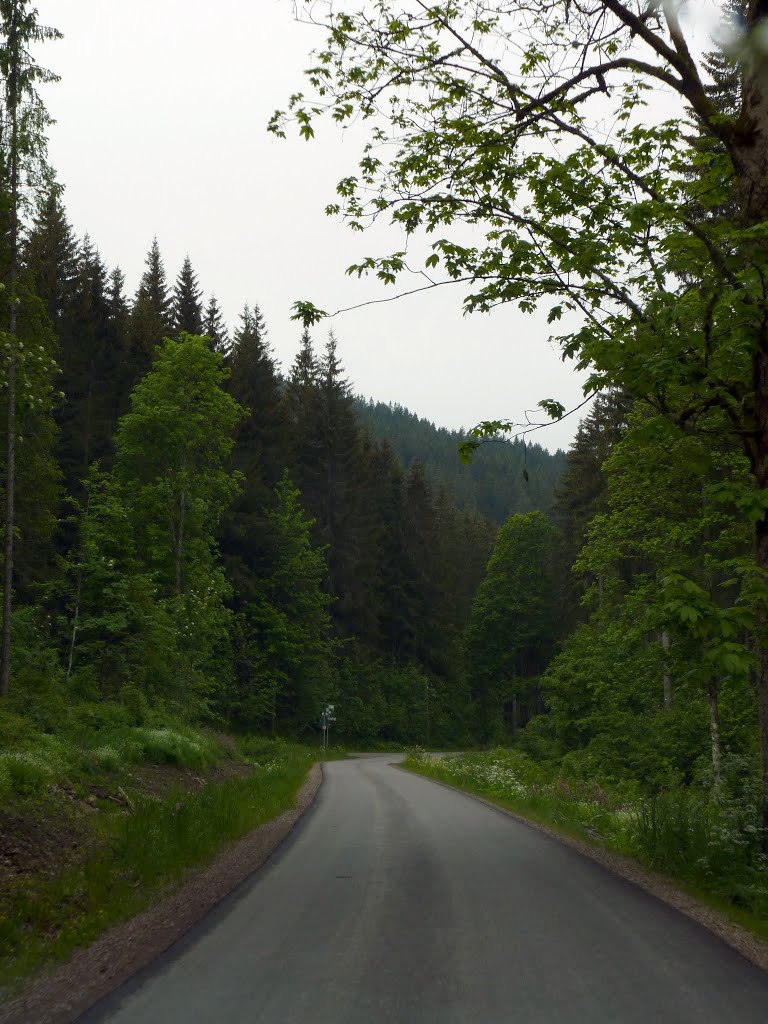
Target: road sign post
{"type": "Point", "coordinates": [325, 722]}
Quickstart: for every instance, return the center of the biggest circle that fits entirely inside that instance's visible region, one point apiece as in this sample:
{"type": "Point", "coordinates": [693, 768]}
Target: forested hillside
{"type": "Point", "coordinates": [502, 478]}
{"type": "Point", "coordinates": [216, 538]}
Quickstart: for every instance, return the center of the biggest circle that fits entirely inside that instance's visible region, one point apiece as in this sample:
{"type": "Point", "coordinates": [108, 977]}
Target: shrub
{"type": "Point", "coordinates": [108, 758]}
{"type": "Point", "coordinates": [30, 773]}
{"type": "Point", "coordinates": [135, 703]}
{"type": "Point", "coordinates": [94, 719]}
{"type": "Point", "coordinates": [168, 746]}
{"type": "Point", "coordinates": [6, 786]}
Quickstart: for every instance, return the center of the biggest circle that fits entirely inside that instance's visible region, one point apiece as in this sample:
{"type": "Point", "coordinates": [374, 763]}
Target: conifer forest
{"type": "Point", "coordinates": [201, 542]}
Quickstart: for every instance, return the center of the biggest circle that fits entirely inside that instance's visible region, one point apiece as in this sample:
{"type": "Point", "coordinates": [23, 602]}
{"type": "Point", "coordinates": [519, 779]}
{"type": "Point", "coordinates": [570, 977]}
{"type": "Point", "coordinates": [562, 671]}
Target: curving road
{"type": "Point", "coordinates": [398, 900]}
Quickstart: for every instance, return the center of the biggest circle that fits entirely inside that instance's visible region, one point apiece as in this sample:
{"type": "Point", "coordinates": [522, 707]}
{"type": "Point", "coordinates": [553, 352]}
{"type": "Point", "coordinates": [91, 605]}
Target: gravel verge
{"type": "Point", "coordinates": [738, 938]}
{"type": "Point", "coordinates": [62, 993]}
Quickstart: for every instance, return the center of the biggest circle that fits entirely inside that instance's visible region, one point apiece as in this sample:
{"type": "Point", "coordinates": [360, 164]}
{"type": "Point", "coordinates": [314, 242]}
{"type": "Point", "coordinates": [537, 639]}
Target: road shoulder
{"type": "Point", "coordinates": [662, 888]}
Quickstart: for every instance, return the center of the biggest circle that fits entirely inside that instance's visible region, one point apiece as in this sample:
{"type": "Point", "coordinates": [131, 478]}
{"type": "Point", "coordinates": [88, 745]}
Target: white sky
{"type": "Point", "coordinates": [162, 112]}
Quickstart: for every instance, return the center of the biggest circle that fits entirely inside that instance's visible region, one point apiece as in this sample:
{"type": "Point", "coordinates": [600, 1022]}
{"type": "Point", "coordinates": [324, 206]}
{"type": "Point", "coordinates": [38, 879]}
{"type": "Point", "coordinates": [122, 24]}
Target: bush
{"type": "Point", "coordinates": [135, 703]}
{"type": "Point", "coordinates": [108, 758]}
{"type": "Point", "coordinates": [35, 662]}
{"type": "Point", "coordinates": [6, 786]}
{"type": "Point", "coordinates": [29, 773]}
{"type": "Point", "coordinates": [167, 746]}
{"type": "Point", "coordinates": [94, 719]}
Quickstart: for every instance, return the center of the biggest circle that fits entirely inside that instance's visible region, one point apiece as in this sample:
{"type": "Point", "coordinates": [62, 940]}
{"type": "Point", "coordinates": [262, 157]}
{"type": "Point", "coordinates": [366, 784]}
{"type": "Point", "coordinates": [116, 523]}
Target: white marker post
{"type": "Point", "coordinates": [325, 722]}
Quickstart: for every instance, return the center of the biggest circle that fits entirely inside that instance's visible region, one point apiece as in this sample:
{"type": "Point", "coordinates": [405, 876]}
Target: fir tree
{"type": "Point", "coordinates": [283, 650]}
{"type": "Point", "coordinates": [50, 254]}
{"type": "Point", "coordinates": [187, 309]}
{"type": "Point", "coordinates": [151, 316]}
{"type": "Point", "coordinates": [215, 328]}
{"type": "Point", "coordinates": [582, 490]}
{"type": "Point", "coordinates": [87, 416]}
{"type": "Point", "coordinates": [118, 321]}
{"type": "Point", "coordinates": [153, 287]}
{"type": "Point", "coordinates": [260, 451]}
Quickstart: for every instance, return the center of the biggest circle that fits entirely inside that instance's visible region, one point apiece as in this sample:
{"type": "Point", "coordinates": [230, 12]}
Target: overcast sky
{"type": "Point", "coordinates": [161, 130]}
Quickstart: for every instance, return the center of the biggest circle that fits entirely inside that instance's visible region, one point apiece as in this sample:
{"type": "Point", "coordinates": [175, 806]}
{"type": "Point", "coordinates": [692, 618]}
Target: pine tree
{"type": "Point", "coordinates": [118, 322]}
{"type": "Point", "coordinates": [215, 328]}
{"type": "Point", "coordinates": [151, 316]}
{"type": "Point", "coordinates": [304, 372]}
{"type": "Point", "coordinates": [420, 532]}
{"type": "Point", "coordinates": [725, 88]}
{"type": "Point", "coordinates": [388, 600]}
{"type": "Point", "coordinates": [511, 635]}
{"type": "Point", "coordinates": [187, 308]}
{"type": "Point", "coordinates": [582, 490]}
{"type": "Point", "coordinates": [260, 453]}
{"type": "Point", "coordinates": [50, 254]}
{"type": "Point", "coordinates": [88, 413]}
{"type": "Point", "coordinates": [283, 651]}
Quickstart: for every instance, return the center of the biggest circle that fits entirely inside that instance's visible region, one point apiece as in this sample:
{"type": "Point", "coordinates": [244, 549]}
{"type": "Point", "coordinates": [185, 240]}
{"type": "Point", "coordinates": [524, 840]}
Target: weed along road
{"type": "Point", "coordinates": [399, 900]}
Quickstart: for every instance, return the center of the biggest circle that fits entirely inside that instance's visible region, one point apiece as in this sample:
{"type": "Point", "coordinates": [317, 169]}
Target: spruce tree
{"type": "Point", "coordinates": [283, 652]}
{"type": "Point", "coordinates": [260, 453]}
{"type": "Point", "coordinates": [390, 598]}
{"type": "Point", "coordinates": [187, 309]}
{"type": "Point", "coordinates": [582, 490]}
{"type": "Point", "coordinates": [87, 415]}
{"type": "Point", "coordinates": [511, 635]}
{"type": "Point", "coordinates": [50, 254]}
{"type": "Point", "coordinates": [332, 472]}
{"type": "Point", "coordinates": [151, 316]}
{"type": "Point", "coordinates": [215, 328]}
{"type": "Point", "coordinates": [118, 321]}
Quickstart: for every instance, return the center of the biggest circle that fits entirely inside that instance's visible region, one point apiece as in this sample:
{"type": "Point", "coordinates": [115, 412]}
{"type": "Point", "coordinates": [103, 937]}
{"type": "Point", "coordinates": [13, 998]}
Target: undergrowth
{"type": "Point", "coordinates": [136, 844]}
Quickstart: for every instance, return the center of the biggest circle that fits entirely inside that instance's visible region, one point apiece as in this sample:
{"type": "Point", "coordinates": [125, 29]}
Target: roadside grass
{"type": "Point", "coordinates": [88, 781]}
{"type": "Point", "coordinates": [707, 845]}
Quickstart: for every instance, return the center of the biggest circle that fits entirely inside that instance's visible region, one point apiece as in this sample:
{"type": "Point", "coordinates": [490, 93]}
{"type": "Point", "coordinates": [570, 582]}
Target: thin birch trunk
{"type": "Point", "coordinates": [714, 733]}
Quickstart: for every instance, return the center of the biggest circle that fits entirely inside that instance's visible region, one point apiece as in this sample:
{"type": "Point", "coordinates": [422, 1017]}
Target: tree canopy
{"type": "Point", "coordinates": [647, 241]}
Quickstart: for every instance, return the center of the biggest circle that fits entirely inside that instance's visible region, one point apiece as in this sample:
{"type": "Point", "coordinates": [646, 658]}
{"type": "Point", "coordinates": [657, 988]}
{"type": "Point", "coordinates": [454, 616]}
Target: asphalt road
{"type": "Point", "coordinates": [399, 900]}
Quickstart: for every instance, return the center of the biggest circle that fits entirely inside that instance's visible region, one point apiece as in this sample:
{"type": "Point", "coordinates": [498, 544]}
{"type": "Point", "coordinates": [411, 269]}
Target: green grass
{"type": "Point", "coordinates": [135, 854]}
{"type": "Point", "coordinates": [707, 846]}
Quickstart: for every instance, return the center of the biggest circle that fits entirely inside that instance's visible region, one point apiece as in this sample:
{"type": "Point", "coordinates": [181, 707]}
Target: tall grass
{"type": "Point", "coordinates": [140, 853]}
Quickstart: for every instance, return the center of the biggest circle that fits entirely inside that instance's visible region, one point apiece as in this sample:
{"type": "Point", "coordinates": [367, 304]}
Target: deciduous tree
{"type": "Point", "coordinates": [493, 116]}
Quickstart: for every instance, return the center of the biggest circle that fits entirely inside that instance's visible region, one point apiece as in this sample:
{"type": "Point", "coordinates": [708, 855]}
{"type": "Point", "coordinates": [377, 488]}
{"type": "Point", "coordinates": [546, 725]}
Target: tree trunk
{"type": "Point", "coordinates": [12, 100]}
{"type": "Point", "coordinates": [10, 502]}
{"type": "Point", "coordinates": [179, 545]}
{"type": "Point", "coordinates": [759, 460]}
{"type": "Point", "coordinates": [667, 680]}
{"type": "Point", "coordinates": [429, 724]}
{"type": "Point", "coordinates": [75, 624]}
{"type": "Point", "coordinates": [714, 732]}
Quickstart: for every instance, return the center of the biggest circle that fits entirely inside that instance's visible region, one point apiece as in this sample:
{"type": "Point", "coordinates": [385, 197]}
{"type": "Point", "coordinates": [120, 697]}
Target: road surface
{"type": "Point", "coordinates": [398, 900]}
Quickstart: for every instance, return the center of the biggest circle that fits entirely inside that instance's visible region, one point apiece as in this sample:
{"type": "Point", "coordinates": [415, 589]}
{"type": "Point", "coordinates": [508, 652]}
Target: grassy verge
{"type": "Point", "coordinates": [94, 827]}
{"type": "Point", "coordinates": [705, 844]}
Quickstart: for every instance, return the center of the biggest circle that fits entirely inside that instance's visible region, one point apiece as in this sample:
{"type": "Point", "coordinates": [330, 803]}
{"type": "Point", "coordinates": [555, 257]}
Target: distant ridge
{"type": "Point", "coordinates": [494, 483]}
